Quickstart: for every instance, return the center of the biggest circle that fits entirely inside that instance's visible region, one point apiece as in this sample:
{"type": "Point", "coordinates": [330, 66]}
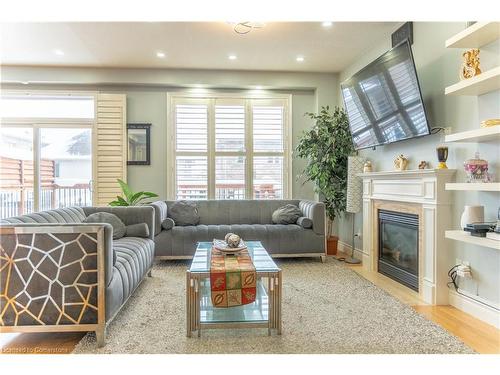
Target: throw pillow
{"type": "Point", "coordinates": [137, 230]}
{"type": "Point", "coordinates": [167, 224]}
{"type": "Point", "coordinates": [108, 218]}
{"type": "Point", "coordinates": [305, 222]}
{"type": "Point", "coordinates": [287, 214]}
{"type": "Point", "coordinates": [184, 213]}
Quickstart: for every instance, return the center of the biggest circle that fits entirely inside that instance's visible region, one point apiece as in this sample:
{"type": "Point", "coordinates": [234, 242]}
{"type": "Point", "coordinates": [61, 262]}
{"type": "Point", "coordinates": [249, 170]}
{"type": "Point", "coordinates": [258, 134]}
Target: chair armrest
{"type": "Point", "coordinates": [316, 212]}
{"type": "Point", "coordinates": [129, 215]}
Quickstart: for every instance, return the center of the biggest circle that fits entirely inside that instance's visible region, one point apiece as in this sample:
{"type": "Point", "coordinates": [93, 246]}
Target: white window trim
{"type": "Point", "coordinates": [212, 95]}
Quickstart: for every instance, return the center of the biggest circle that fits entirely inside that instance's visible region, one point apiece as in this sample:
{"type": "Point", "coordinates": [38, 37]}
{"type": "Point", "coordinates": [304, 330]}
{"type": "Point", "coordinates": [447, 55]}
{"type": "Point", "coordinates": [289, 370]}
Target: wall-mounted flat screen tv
{"type": "Point", "coordinates": [383, 100]}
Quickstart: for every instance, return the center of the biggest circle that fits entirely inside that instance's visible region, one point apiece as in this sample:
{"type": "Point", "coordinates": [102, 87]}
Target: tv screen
{"type": "Point", "coordinates": [383, 100]}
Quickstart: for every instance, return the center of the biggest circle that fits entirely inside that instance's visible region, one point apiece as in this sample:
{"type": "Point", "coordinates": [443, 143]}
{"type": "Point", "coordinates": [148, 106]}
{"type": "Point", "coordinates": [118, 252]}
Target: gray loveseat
{"type": "Point", "coordinates": [250, 219]}
{"type": "Point", "coordinates": [58, 273]}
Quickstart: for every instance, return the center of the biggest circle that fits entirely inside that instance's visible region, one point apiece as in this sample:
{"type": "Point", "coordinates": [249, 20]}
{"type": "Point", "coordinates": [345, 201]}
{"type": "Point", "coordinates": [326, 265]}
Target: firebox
{"type": "Point", "coordinates": [398, 247]}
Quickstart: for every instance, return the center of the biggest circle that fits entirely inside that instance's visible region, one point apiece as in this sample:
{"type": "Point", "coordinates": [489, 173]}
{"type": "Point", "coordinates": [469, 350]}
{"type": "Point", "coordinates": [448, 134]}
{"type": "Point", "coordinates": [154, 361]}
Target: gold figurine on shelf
{"type": "Point", "coordinates": [401, 163]}
{"type": "Point", "coordinates": [470, 66]}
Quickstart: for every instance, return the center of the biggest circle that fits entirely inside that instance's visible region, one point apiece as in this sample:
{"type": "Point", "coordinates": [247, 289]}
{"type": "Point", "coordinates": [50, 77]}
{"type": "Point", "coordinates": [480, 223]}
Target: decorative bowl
{"type": "Point", "coordinates": [223, 247]}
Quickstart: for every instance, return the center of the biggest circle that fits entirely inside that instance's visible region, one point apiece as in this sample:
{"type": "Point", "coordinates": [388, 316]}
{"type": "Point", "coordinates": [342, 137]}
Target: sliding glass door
{"type": "Point", "coordinates": [45, 152]}
{"type": "Point", "coordinates": [16, 171]}
{"type": "Point", "coordinates": [65, 167]}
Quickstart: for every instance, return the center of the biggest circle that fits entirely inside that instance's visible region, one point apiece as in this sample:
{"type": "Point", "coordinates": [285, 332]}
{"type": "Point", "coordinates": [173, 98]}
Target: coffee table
{"type": "Point", "coordinates": [265, 312]}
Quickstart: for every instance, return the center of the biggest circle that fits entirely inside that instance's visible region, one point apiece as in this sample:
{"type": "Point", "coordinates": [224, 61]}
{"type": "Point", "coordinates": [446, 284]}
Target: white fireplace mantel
{"type": "Point", "coordinates": [424, 192]}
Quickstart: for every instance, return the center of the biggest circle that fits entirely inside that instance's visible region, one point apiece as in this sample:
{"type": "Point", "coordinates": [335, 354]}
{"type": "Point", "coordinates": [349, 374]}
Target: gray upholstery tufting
{"type": "Point", "coordinates": [250, 219]}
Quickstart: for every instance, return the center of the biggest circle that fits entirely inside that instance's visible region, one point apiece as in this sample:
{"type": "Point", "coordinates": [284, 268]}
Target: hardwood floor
{"type": "Point", "coordinates": [480, 336]}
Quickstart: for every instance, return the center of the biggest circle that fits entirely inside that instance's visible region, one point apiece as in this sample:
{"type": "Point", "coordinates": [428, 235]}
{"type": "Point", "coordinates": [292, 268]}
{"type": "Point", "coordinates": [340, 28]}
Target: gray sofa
{"type": "Point", "coordinates": [250, 219]}
{"type": "Point", "coordinates": [67, 275]}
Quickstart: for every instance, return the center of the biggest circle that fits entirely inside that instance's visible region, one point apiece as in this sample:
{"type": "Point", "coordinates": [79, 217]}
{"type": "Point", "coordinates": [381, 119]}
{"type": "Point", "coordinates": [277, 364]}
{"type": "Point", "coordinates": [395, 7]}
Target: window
{"type": "Point", "coordinates": [45, 152]}
{"type": "Point", "coordinates": [226, 147]}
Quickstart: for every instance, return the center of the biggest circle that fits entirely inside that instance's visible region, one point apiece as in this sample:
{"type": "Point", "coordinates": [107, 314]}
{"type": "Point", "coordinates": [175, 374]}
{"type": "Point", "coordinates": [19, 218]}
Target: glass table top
{"type": "Point", "coordinates": [261, 258]}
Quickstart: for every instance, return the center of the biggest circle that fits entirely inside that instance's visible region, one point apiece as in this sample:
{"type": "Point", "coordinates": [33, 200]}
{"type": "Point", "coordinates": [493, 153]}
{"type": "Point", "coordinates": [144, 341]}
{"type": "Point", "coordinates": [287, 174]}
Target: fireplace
{"type": "Point", "coordinates": [398, 247]}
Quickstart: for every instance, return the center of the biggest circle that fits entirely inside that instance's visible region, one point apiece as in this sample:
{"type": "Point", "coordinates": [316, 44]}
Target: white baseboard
{"type": "Point", "coordinates": [477, 309]}
{"type": "Point", "coordinates": [346, 248]}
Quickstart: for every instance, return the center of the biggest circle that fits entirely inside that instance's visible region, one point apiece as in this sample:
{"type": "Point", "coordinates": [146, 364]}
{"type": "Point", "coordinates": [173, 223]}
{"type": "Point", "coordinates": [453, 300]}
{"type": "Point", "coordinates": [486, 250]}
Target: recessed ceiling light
{"type": "Point", "coordinates": [327, 24]}
{"type": "Point", "coordinates": [25, 83]}
{"type": "Point", "coordinates": [258, 87]}
{"type": "Point", "coordinates": [299, 58]}
{"type": "Point", "coordinates": [232, 57]}
{"type": "Point", "coordinates": [160, 54]}
{"type": "Point", "coordinates": [59, 52]}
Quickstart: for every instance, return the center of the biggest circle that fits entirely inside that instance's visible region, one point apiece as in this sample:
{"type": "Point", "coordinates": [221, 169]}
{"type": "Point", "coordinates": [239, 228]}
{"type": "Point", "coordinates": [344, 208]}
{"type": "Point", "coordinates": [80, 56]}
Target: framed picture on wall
{"type": "Point", "coordinates": [139, 144]}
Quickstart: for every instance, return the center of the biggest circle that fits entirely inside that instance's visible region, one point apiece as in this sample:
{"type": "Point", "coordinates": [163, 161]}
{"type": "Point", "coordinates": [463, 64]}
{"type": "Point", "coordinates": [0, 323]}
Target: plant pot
{"type": "Point", "coordinates": [331, 245]}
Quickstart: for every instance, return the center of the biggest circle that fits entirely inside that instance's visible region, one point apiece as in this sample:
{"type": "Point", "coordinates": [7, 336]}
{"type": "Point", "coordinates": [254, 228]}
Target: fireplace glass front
{"type": "Point", "coordinates": [398, 247]}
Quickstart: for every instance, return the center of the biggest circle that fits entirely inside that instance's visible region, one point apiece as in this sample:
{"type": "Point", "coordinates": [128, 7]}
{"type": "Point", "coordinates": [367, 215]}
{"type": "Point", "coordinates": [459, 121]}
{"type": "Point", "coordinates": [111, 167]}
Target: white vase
{"type": "Point", "coordinates": [472, 214]}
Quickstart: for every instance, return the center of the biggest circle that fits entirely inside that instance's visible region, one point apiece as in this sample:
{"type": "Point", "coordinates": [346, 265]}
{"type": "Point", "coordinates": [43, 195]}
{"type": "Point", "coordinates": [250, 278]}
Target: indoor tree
{"type": "Point", "coordinates": [326, 146]}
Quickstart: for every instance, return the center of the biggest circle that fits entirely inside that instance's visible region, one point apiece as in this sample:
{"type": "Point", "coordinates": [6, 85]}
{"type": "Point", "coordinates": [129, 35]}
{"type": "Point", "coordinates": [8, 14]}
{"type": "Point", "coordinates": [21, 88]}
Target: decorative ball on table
{"type": "Point", "coordinates": [232, 240]}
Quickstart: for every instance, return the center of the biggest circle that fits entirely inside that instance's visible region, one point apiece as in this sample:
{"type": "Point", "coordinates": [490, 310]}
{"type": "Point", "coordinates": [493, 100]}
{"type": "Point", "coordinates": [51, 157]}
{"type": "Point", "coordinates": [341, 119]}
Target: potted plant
{"type": "Point", "coordinates": [326, 146]}
{"type": "Point", "coordinates": [130, 198]}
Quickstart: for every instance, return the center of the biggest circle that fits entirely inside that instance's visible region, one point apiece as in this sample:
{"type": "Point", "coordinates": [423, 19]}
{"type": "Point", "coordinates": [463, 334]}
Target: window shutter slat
{"type": "Point", "coordinates": [267, 128]}
{"type": "Point", "coordinates": [109, 147]}
{"type": "Point", "coordinates": [268, 177]}
{"type": "Point", "coordinates": [191, 177]}
{"type": "Point", "coordinates": [191, 127]}
{"type": "Point", "coordinates": [229, 128]}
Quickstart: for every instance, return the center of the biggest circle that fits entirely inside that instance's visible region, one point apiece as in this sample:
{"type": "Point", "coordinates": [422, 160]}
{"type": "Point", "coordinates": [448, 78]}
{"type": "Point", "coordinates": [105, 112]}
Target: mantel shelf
{"type": "Point", "coordinates": [475, 36]}
{"type": "Point", "coordinates": [462, 236]}
{"type": "Point", "coordinates": [481, 84]}
{"type": "Point", "coordinates": [479, 186]}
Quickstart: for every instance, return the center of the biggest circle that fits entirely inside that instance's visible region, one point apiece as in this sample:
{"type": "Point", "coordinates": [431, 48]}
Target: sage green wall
{"type": "Point", "coordinates": [146, 91]}
{"type": "Point", "coordinates": [438, 67]}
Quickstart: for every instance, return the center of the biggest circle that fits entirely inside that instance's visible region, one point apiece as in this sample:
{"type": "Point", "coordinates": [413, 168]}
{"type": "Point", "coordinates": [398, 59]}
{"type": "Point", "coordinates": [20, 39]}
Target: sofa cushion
{"type": "Point", "coordinates": [137, 230]}
{"type": "Point", "coordinates": [168, 223]}
{"type": "Point", "coordinates": [119, 228]}
{"type": "Point", "coordinates": [184, 213]}
{"type": "Point", "coordinates": [305, 222]}
{"type": "Point", "coordinates": [287, 214]}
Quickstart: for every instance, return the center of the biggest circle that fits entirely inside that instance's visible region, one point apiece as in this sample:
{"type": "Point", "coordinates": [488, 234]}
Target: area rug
{"type": "Point", "coordinates": [327, 308]}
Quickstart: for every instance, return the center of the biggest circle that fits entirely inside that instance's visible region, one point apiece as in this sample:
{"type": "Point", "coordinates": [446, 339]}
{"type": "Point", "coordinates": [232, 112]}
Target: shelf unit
{"type": "Point", "coordinates": [478, 186]}
{"type": "Point", "coordinates": [462, 236]}
{"type": "Point", "coordinates": [490, 134]}
{"type": "Point", "coordinates": [481, 84]}
{"type": "Point", "coordinates": [477, 35]}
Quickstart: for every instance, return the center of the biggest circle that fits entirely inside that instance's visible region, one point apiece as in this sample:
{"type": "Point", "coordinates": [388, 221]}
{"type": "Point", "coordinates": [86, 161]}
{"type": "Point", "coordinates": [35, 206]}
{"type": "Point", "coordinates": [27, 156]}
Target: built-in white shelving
{"type": "Point", "coordinates": [476, 35]}
{"type": "Point", "coordinates": [478, 186]}
{"type": "Point", "coordinates": [462, 236]}
{"type": "Point", "coordinates": [490, 134]}
{"type": "Point", "coordinates": [481, 84]}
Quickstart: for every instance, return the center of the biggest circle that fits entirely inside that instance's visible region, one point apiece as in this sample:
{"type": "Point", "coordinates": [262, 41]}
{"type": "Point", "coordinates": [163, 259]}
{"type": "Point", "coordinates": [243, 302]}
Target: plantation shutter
{"type": "Point", "coordinates": [110, 151]}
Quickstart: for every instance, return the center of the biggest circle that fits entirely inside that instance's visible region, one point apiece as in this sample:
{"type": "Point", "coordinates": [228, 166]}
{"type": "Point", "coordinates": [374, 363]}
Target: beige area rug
{"type": "Point", "coordinates": [327, 308]}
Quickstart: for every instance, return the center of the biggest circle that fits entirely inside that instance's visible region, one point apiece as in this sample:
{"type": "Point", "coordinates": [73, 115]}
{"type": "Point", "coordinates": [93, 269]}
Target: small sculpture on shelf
{"type": "Point", "coordinates": [442, 155]}
{"type": "Point", "coordinates": [470, 66]}
{"type": "Point", "coordinates": [422, 164]}
{"type": "Point", "coordinates": [401, 163]}
{"type": "Point", "coordinates": [367, 167]}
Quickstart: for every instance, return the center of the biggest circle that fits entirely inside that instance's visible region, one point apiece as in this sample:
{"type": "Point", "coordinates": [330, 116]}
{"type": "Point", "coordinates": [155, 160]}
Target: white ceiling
{"type": "Point", "coordinates": [190, 45]}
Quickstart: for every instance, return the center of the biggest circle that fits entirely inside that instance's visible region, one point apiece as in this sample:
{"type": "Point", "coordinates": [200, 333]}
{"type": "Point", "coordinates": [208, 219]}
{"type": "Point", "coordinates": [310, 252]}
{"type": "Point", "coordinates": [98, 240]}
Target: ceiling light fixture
{"type": "Point", "coordinates": [58, 52]}
{"type": "Point", "coordinates": [243, 28]}
{"type": "Point", "coordinates": [299, 58]}
{"type": "Point", "coordinates": [327, 24]}
{"type": "Point", "coordinates": [232, 57]}
{"type": "Point", "coordinates": [160, 54]}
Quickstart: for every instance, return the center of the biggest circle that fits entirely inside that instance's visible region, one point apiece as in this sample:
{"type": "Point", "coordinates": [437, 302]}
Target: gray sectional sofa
{"type": "Point", "coordinates": [68, 275]}
{"type": "Point", "coordinates": [250, 219]}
